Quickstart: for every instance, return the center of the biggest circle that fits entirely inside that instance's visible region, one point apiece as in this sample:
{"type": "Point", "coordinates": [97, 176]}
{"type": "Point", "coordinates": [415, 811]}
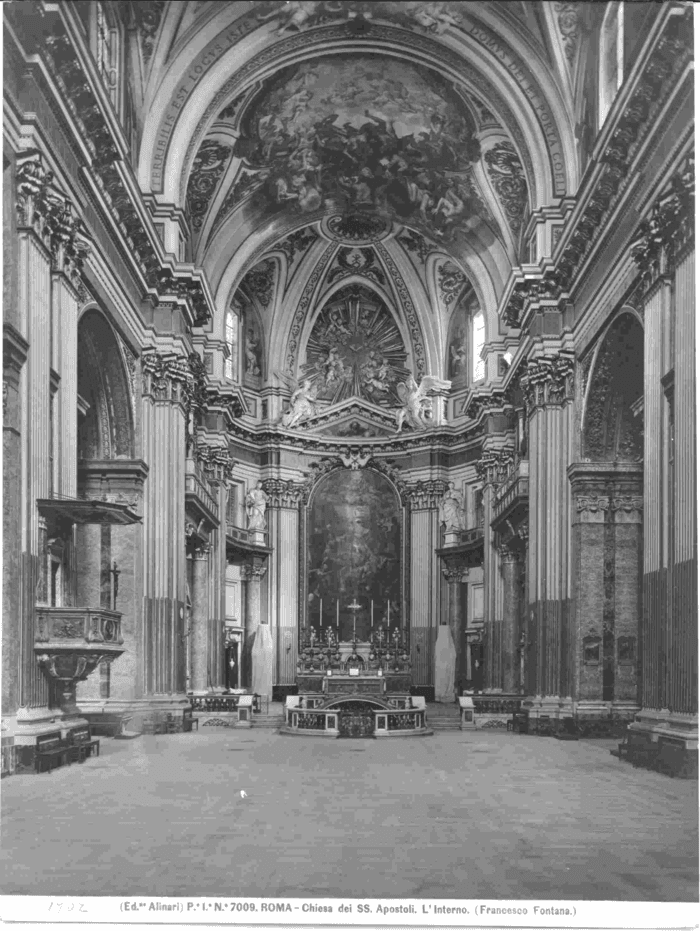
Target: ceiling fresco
{"type": "Point", "coordinates": [356, 350]}
{"type": "Point", "coordinates": [365, 135]}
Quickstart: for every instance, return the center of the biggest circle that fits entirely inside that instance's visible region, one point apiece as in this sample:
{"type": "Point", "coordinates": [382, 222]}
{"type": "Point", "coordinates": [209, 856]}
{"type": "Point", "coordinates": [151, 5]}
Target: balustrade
{"type": "Point", "coordinates": [198, 487]}
{"type": "Point", "coordinates": [514, 490]}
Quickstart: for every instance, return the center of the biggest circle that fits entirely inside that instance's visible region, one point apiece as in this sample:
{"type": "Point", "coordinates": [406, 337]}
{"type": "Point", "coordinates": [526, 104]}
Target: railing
{"type": "Point", "coordinates": [398, 720]}
{"type": "Point", "coordinates": [243, 535]}
{"type": "Point", "coordinates": [64, 626]}
{"type": "Point", "coordinates": [489, 705]}
{"type": "Point", "coordinates": [514, 488]}
{"type": "Point", "coordinates": [197, 485]}
{"type": "Point", "coordinates": [312, 720]}
{"type": "Point", "coordinates": [216, 703]}
{"type": "Point", "coordinates": [473, 535]}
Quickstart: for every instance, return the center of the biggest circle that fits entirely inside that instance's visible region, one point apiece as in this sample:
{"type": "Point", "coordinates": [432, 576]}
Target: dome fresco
{"type": "Point", "coordinates": [365, 134]}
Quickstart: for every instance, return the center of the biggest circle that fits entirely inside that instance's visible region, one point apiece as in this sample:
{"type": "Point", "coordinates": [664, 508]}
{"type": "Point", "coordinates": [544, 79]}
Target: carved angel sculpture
{"type": "Point", "coordinates": [302, 403]}
{"type": "Point", "coordinates": [416, 401]}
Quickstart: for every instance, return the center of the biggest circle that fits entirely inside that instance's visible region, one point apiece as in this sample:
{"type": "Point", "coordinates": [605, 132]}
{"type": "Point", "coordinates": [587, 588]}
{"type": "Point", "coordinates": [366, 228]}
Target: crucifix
{"type": "Point", "coordinates": [354, 607]}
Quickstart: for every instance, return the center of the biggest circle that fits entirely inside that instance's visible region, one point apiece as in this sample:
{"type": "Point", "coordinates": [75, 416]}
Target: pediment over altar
{"type": "Point", "coordinates": [353, 418]}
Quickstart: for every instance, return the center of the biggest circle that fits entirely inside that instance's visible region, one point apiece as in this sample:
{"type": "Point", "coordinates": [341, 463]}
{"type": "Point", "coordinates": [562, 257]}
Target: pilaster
{"type": "Point", "coordinates": [257, 628]}
{"type": "Point", "coordinates": [167, 382]}
{"type": "Point", "coordinates": [284, 500]}
{"type": "Point", "coordinates": [423, 500]}
{"type": "Point", "coordinates": [548, 387]}
{"type": "Point", "coordinates": [199, 633]}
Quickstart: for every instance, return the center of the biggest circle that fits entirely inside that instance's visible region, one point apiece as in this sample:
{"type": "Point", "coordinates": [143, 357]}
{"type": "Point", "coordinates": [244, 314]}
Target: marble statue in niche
{"type": "Point", "coordinates": [252, 352]}
{"type": "Point", "coordinates": [451, 511]}
{"type": "Point", "coordinates": [255, 507]}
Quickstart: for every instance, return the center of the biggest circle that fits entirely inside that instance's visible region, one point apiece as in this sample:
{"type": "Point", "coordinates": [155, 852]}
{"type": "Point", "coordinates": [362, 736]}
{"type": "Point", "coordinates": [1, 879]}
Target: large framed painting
{"type": "Point", "coordinates": [354, 547]}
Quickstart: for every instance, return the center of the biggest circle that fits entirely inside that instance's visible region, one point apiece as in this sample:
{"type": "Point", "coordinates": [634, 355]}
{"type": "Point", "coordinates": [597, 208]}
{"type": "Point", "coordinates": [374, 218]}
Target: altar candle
{"type": "Point", "coordinates": [337, 613]}
{"type": "Point", "coordinates": [354, 632]}
{"type": "Point", "coordinates": [320, 612]}
{"type": "Point", "coordinates": [388, 613]}
{"type": "Point", "coordinates": [371, 614]}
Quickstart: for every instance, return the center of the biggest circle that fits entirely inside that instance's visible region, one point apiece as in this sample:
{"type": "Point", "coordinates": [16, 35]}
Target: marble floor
{"type": "Point", "coordinates": [456, 815]}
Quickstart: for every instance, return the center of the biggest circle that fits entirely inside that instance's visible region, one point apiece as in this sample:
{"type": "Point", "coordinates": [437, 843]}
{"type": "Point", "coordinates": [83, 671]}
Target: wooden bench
{"type": "Point", "coordinates": [81, 744]}
{"type": "Point", "coordinates": [50, 752]}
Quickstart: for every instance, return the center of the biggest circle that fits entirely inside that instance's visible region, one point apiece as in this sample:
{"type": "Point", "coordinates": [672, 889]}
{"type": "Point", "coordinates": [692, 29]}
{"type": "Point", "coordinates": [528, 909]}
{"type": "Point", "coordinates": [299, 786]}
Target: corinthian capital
{"type": "Point", "coordinates": [549, 380]}
{"type": "Point", "coordinates": [423, 496]}
{"type": "Point", "coordinates": [283, 494]}
{"type": "Point", "coordinates": [166, 376]}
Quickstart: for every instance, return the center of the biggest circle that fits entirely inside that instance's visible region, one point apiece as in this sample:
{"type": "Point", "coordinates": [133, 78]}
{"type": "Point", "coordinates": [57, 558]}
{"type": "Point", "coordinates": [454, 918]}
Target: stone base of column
{"type": "Point", "coordinates": [664, 741]}
{"type": "Point", "coordinates": [665, 724]}
{"type": "Point", "coordinates": [261, 658]}
{"type": "Point", "coordinates": [445, 657]}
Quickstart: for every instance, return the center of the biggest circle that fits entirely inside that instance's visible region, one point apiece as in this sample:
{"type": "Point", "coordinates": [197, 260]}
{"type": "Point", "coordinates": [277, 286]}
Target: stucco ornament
{"type": "Point", "coordinates": [416, 409]}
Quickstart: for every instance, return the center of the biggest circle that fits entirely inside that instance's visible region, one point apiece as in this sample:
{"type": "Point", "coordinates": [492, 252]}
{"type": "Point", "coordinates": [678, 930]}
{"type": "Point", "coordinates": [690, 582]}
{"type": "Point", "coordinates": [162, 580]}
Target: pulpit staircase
{"type": "Point", "coordinates": [442, 717]}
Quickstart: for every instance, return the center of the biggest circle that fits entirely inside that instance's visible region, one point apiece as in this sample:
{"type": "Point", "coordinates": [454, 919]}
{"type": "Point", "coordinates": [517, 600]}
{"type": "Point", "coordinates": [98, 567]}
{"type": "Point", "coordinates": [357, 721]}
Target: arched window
{"type": "Point", "coordinates": [478, 340]}
{"type": "Point", "coordinates": [611, 58]}
{"type": "Point", "coordinates": [231, 366]}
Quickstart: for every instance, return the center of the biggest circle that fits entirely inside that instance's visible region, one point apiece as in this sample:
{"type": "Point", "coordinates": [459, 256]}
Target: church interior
{"type": "Point", "coordinates": [349, 380]}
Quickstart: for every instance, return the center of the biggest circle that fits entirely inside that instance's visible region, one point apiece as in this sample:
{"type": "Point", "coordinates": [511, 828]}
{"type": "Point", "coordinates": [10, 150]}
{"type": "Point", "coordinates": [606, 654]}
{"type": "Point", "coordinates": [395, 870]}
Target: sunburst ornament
{"type": "Point", "coordinates": [356, 350]}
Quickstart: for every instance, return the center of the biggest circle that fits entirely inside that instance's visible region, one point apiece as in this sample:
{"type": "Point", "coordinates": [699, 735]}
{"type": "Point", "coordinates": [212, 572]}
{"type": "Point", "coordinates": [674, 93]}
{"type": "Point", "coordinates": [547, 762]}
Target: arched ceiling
{"type": "Point", "coordinates": [382, 141]}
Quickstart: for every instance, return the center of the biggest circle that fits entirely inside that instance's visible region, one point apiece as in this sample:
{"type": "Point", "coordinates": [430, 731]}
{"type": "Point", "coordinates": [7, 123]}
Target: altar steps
{"type": "Point", "coordinates": [271, 720]}
{"type": "Point", "coordinates": [442, 717]}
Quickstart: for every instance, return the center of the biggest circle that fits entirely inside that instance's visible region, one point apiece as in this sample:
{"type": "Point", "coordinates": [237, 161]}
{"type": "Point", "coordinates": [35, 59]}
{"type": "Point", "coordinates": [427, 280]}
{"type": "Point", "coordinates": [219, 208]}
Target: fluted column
{"type": "Point", "coordinates": [450, 646]}
{"type": "Point", "coordinates": [257, 629]}
{"type": "Point", "coordinates": [493, 469]}
{"type": "Point", "coordinates": [65, 362]}
{"type": "Point", "coordinates": [284, 526]}
{"type": "Point", "coordinates": [34, 302]}
{"type": "Point", "coordinates": [199, 634]}
{"type": "Point", "coordinates": [166, 381]}
{"type": "Point", "coordinates": [511, 564]}
{"type": "Point", "coordinates": [423, 500]}
{"type": "Point", "coordinates": [548, 388]}
{"type": "Point", "coordinates": [14, 356]}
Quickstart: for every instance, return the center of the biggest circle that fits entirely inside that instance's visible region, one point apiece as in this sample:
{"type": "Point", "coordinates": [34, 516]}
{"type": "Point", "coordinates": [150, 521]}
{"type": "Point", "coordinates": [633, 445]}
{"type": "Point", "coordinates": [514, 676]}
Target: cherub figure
{"type": "Point", "coordinates": [416, 401]}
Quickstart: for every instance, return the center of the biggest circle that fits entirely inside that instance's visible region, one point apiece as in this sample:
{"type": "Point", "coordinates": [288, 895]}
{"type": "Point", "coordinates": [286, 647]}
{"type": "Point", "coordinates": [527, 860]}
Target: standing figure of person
{"type": "Point", "coordinates": [452, 509]}
{"type": "Point", "coordinates": [255, 507]}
